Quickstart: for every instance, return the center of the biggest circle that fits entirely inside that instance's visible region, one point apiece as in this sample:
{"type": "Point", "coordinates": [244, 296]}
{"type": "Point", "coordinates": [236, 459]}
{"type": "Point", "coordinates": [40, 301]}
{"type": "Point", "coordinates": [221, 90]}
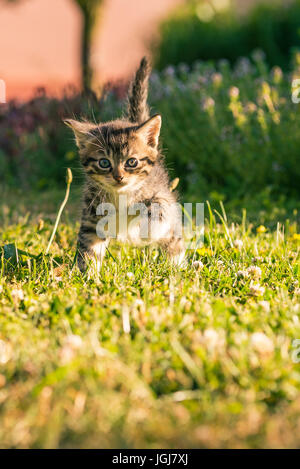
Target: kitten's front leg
{"type": "Point", "coordinates": [166, 225]}
{"type": "Point", "coordinates": [90, 248]}
{"type": "Point", "coordinates": [175, 250]}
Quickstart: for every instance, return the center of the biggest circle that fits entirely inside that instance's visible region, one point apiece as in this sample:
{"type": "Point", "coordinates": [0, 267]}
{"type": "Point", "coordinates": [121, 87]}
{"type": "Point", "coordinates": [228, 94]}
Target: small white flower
{"type": "Point", "coordinates": [139, 302]}
{"type": "Point", "coordinates": [17, 294]}
{"type": "Point", "coordinates": [265, 305]}
{"type": "Point", "coordinates": [256, 289]}
{"type": "Point", "coordinates": [5, 352]}
{"type": "Point", "coordinates": [68, 351]}
{"type": "Point", "coordinates": [261, 343]}
{"type": "Point", "coordinates": [238, 243]}
{"type": "Point", "coordinates": [126, 320]}
{"type": "Point", "coordinates": [297, 308]}
{"type": "Point", "coordinates": [198, 265]}
{"type": "Point", "coordinates": [213, 338]}
{"type": "Point", "coordinates": [254, 271]}
{"type": "Point", "coordinates": [240, 337]}
{"type": "Point", "coordinates": [66, 354]}
{"type": "Point", "coordinates": [74, 341]}
{"type": "Point", "coordinates": [242, 274]}
{"type": "Point", "coordinates": [130, 274]}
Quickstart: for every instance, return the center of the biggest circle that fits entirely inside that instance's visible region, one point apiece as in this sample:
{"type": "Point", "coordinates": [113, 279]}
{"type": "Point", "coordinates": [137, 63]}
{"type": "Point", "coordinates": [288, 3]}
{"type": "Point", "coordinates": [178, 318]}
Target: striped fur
{"type": "Point", "coordinates": [118, 142]}
{"type": "Point", "coordinates": [138, 110]}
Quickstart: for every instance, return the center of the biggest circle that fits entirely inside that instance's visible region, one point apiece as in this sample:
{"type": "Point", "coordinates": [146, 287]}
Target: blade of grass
{"type": "Point", "coordinates": [69, 178]}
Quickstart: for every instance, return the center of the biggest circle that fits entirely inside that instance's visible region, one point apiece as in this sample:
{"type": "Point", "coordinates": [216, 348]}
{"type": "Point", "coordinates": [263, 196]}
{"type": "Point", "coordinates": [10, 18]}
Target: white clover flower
{"type": "Point", "coordinates": [213, 338]}
{"type": "Point", "coordinates": [256, 289]}
{"type": "Point", "coordinates": [261, 343]}
{"type": "Point", "coordinates": [71, 343]}
{"type": "Point", "coordinates": [254, 271]}
{"type": "Point", "coordinates": [198, 265]}
{"type": "Point", "coordinates": [130, 274]}
{"type": "Point", "coordinates": [73, 340]}
{"type": "Point", "coordinates": [238, 243]}
{"type": "Point", "coordinates": [139, 302]}
{"type": "Point", "coordinates": [5, 352]}
{"type": "Point", "coordinates": [17, 294]}
{"type": "Point", "coordinates": [240, 337]}
{"type": "Point", "coordinates": [66, 354]}
{"type": "Point", "coordinates": [242, 274]}
{"type": "Point", "coordinates": [265, 305]}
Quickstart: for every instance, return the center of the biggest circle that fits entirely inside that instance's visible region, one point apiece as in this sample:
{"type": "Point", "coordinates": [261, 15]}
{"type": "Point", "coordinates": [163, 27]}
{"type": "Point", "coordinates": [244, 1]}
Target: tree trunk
{"type": "Point", "coordinates": [89, 18]}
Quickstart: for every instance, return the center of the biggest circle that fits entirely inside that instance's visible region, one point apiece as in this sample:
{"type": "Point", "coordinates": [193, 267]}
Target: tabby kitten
{"type": "Point", "coordinates": [122, 157]}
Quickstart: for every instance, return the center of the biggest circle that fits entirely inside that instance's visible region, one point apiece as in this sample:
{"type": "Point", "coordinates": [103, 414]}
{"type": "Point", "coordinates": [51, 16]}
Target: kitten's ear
{"type": "Point", "coordinates": [150, 130]}
{"type": "Point", "coordinates": [81, 130]}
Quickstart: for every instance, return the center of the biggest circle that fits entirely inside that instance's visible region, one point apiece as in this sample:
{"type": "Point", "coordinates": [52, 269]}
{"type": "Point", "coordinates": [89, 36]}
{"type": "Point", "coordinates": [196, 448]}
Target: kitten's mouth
{"type": "Point", "coordinates": [120, 183]}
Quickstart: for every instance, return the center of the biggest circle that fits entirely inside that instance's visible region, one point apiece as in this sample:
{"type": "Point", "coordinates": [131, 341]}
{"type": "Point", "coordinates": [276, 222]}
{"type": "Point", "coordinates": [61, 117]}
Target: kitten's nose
{"type": "Point", "coordinates": [118, 177]}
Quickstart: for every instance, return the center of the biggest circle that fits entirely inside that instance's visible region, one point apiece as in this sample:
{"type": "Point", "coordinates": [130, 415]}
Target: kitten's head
{"type": "Point", "coordinates": [118, 155]}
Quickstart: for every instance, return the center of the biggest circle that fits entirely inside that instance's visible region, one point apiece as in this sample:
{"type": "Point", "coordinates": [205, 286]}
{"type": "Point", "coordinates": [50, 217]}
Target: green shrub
{"type": "Point", "coordinates": [228, 133]}
{"type": "Point", "coordinates": [273, 28]}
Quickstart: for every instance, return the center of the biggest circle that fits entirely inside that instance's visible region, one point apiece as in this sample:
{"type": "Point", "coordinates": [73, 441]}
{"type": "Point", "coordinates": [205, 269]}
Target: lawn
{"type": "Point", "coordinates": [148, 355]}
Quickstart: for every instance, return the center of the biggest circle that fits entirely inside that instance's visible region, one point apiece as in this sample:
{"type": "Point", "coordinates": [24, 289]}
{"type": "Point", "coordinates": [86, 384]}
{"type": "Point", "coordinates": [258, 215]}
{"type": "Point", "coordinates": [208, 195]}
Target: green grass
{"type": "Point", "coordinates": [148, 355]}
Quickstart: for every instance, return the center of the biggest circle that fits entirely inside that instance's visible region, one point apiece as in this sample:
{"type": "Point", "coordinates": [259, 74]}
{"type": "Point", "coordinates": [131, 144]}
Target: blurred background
{"type": "Point", "coordinates": [41, 40]}
{"type": "Point", "coordinates": [223, 72]}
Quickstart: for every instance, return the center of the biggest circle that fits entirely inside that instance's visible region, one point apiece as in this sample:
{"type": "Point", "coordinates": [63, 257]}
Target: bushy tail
{"type": "Point", "coordinates": [137, 107]}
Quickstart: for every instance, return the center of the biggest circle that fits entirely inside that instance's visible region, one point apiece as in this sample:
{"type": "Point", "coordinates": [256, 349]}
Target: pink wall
{"type": "Point", "coordinates": [39, 41]}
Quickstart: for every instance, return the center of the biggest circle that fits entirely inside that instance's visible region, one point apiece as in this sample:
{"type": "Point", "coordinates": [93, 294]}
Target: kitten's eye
{"type": "Point", "coordinates": [104, 163]}
{"type": "Point", "coordinates": [132, 162]}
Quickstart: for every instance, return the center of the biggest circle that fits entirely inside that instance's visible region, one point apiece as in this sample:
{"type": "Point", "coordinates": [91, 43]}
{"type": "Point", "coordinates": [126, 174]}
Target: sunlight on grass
{"type": "Point", "coordinates": [148, 355]}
